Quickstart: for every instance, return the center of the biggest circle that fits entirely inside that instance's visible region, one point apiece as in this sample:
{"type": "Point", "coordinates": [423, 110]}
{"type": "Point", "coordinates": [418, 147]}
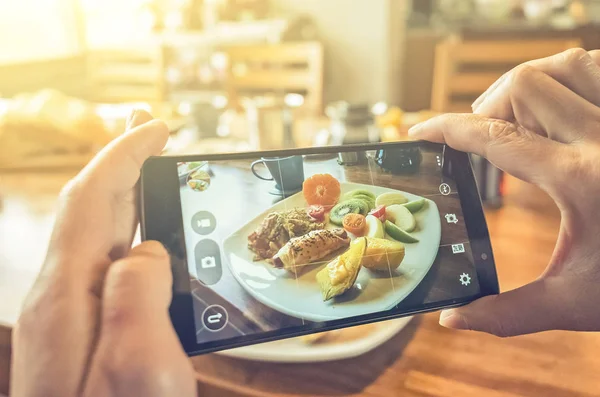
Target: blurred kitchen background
{"type": "Point", "coordinates": [233, 75]}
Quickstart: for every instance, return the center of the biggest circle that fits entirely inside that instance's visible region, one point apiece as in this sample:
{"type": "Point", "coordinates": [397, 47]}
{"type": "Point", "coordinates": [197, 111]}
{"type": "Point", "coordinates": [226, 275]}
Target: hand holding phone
{"type": "Point", "coordinates": [84, 326]}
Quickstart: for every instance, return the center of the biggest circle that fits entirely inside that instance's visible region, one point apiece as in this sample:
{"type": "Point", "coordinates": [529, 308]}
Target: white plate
{"type": "Point", "coordinates": [300, 297]}
{"type": "Point", "coordinates": [294, 350]}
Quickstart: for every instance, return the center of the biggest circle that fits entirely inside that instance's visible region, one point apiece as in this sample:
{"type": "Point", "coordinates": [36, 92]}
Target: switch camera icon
{"type": "Point", "coordinates": [451, 218]}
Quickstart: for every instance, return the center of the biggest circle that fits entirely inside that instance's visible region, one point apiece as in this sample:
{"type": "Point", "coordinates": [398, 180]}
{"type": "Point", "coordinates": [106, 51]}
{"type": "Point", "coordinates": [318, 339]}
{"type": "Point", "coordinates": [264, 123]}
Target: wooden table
{"type": "Point", "coordinates": [424, 360]}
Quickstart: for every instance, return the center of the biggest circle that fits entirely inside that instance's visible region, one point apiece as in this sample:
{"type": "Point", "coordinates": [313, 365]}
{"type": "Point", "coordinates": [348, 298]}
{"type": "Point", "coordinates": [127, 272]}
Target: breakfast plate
{"type": "Point", "coordinates": [334, 345]}
{"type": "Point", "coordinates": [299, 295]}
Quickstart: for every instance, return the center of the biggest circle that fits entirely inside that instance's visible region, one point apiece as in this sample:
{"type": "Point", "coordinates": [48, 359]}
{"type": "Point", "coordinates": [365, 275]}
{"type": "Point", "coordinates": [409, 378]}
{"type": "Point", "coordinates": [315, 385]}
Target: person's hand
{"type": "Point", "coordinates": [541, 123]}
{"type": "Point", "coordinates": [96, 321]}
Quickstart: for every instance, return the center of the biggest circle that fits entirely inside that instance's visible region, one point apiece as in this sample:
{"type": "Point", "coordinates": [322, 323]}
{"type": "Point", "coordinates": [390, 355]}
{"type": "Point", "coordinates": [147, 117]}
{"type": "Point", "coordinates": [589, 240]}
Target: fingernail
{"type": "Point", "coordinates": [416, 129]}
{"type": "Point", "coordinates": [150, 248]}
{"type": "Point", "coordinates": [131, 119]}
{"type": "Point", "coordinates": [451, 319]}
{"type": "Point", "coordinates": [478, 101]}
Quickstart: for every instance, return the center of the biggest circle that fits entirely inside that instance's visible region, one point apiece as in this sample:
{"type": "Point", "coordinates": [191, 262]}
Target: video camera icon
{"type": "Point", "coordinates": [204, 223]}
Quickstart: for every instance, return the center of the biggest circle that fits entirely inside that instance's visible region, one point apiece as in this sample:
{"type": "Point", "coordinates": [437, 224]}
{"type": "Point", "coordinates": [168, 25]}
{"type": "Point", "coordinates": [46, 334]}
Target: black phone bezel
{"type": "Point", "coordinates": [161, 220]}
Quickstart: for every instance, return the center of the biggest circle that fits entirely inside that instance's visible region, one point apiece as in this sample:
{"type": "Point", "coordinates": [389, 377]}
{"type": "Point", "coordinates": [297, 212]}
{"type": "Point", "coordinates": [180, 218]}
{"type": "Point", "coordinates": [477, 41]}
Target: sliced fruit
{"type": "Point", "coordinates": [355, 224]}
{"type": "Point", "coordinates": [398, 234]}
{"type": "Point", "coordinates": [359, 195]}
{"type": "Point", "coordinates": [401, 216]}
{"type": "Point", "coordinates": [382, 254]}
{"type": "Point", "coordinates": [374, 227]}
{"type": "Point", "coordinates": [336, 216]}
{"type": "Point", "coordinates": [390, 199]}
{"type": "Point", "coordinates": [415, 206]}
{"type": "Point", "coordinates": [379, 213]}
{"type": "Point", "coordinates": [369, 201]}
{"type": "Point", "coordinates": [340, 274]}
{"type": "Point", "coordinates": [361, 192]}
{"type": "Point", "coordinates": [317, 212]}
{"type": "Point", "coordinates": [321, 189]}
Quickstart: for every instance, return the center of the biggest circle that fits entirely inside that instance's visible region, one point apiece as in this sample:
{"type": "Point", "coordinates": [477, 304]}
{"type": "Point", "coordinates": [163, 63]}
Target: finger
{"type": "Point", "coordinates": [88, 201]}
{"type": "Point", "coordinates": [485, 94]}
{"type": "Point", "coordinates": [124, 235]}
{"type": "Point", "coordinates": [138, 348]}
{"type": "Point", "coordinates": [517, 151]}
{"type": "Point", "coordinates": [533, 308]}
{"type": "Point", "coordinates": [138, 287]}
{"type": "Point", "coordinates": [116, 169]}
{"type": "Point", "coordinates": [541, 104]}
{"type": "Point", "coordinates": [137, 118]}
{"type": "Point", "coordinates": [576, 69]}
{"type": "Point", "coordinates": [595, 54]}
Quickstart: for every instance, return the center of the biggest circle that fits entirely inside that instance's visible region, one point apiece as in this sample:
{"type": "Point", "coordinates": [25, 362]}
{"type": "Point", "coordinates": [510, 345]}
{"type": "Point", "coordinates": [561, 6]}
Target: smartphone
{"type": "Point", "coordinates": [279, 244]}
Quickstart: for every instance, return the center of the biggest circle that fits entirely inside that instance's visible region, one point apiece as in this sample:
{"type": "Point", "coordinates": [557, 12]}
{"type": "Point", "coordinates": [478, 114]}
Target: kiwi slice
{"type": "Point", "coordinates": [336, 216]}
{"type": "Point", "coordinates": [369, 204]}
{"type": "Point", "coordinates": [359, 193]}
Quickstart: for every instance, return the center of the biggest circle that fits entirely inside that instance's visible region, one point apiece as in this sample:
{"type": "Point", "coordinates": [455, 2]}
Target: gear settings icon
{"type": "Point", "coordinates": [465, 279]}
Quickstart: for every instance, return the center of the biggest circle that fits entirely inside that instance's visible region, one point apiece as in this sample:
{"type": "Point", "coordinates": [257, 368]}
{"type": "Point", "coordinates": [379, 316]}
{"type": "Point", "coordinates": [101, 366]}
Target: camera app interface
{"type": "Point", "coordinates": [283, 243]}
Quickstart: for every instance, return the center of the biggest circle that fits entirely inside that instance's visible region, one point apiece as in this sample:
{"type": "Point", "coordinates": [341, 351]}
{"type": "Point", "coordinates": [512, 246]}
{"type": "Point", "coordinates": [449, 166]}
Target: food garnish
{"type": "Point", "coordinates": [340, 274]}
{"type": "Point", "coordinates": [379, 213]}
{"type": "Point", "coordinates": [321, 189]}
{"type": "Point", "coordinates": [415, 206]}
{"type": "Point", "coordinates": [398, 234]}
{"type": "Point", "coordinates": [374, 227]}
{"type": "Point", "coordinates": [316, 212]}
{"type": "Point", "coordinates": [362, 195]}
{"type": "Point", "coordinates": [390, 199]}
{"type": "Point", "coordinates": [382, 254]}
{"type": "Point", "coordinates": [401, 217]}
{"type": "Point", "coordinates": [355, 224]}
{"type": "Point", "coordinates": [352, 206]}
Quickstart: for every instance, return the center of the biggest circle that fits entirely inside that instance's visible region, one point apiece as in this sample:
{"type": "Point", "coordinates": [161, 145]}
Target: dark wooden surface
{"type": "Point", "coordinates": [241, 197]}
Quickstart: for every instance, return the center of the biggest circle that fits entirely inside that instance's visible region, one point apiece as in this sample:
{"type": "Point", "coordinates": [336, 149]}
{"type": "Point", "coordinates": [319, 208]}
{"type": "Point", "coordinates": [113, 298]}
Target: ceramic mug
{"type": "Point", "coordinates": [287, 172]}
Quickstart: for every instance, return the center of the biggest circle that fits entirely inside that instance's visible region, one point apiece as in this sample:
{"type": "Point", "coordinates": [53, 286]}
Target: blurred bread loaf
{"type": "Point", "coordinates": [49, 123]}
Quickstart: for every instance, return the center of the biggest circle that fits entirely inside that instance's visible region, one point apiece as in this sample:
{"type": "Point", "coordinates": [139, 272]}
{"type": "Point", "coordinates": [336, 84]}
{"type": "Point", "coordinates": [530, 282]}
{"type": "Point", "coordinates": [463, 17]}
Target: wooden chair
{"type": "Point", "coordinates": [277, 69]}
{"type": "Point", "coordinates": [464, 69]}
{"type": "Point", "coordinates": [133, 74]}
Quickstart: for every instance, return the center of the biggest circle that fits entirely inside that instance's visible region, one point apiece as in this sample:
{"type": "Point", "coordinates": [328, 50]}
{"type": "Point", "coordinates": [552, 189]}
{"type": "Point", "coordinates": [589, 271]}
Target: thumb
{"type": "Point", "coordinates": [531, 308]}
{"type": "Point", "coordinates": [138, 349]}
{"type": "Point", "coordinates": [138, 287]}
{"type": "Point", "coordinates": [137, 118]}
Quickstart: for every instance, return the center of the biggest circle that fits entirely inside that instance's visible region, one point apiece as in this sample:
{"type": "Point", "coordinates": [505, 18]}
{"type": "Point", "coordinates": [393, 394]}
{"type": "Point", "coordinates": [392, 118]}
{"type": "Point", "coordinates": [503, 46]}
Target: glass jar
{"type": "Point", "coordinates": [351, 124]}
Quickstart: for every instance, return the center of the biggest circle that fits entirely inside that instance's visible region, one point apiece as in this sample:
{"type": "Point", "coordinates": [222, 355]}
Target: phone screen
{"type": "Point", "coordinates": [289, 243]}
